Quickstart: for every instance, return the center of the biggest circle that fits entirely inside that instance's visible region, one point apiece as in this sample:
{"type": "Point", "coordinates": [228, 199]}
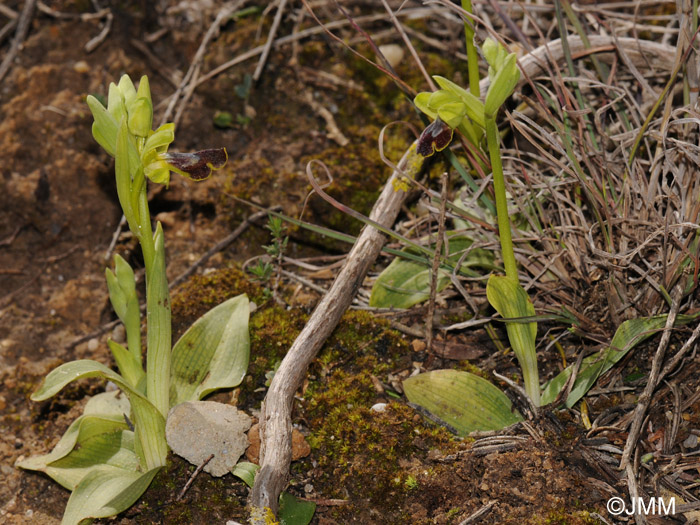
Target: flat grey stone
{"type": "Point", "coordinates": [197, 429]}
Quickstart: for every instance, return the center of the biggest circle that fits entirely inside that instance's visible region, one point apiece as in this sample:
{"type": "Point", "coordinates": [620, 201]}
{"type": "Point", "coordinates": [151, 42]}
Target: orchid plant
{"type": "Point", "coordinates": [452, 107]}
{"type": "Point", "coordinates": [109, 455]}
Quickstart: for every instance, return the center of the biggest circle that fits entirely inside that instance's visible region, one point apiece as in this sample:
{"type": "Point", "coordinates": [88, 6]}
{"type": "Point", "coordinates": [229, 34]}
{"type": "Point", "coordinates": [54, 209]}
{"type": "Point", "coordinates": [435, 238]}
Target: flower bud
{"type": "Point", "coordinates": [115, 103]}
{"type": "Point", "coordinates": [502, 85]}
{"type": "Point", "coordinates": [140, 113]}
{"type": "Point", "coordinates": [128, 91]}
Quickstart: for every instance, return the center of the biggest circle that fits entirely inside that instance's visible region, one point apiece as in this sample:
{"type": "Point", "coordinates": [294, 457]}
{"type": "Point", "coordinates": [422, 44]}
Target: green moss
{"type": "Point", "coordinates": [201, 293]}
{"type": "Point", "coordinates": [272, 332]}
{"type": "Point", "coordinates": [564, 517]}
{"type": "Point", "coordinates": [362, 453]}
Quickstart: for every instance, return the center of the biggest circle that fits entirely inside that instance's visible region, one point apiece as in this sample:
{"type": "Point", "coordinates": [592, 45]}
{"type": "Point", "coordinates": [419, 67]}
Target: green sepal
{"type": "Point", "coordinates": [422, 102]}
{"type": "Point", "coordinates": [158, 171]}
{"type": "Point", "coordinates": [474, 106]}
{"type": "Point", "coordinates": [115, 103]}
{"type": "Point", "coordinates": [104, 129]}
{"type": "Point", "coordinates": [495, 54]}
{"type": "Point", "coordinates": [452, 113]}
{"type": "Point", "coordinates": [128, 91]}
{"type": "Point", "coordinates": [441, 97]}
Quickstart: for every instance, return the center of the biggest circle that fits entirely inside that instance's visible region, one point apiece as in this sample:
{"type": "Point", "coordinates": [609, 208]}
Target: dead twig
{"type": "Point", "coordinates": [221, 245]}
{"type": "Point", "coordinates": [645, 399]}
{"type": "Point", "coordinates": [192, 477]}
{"type": "Point", "coordinates": [436, 263]}
{"type": "Point", "coordinates": [223, 14]}
{"type": "Point", "coordinates": [275, 419]}
{"type": "Point", "coordinates": [94, 42]}
{"type": "Point", "coordinates": [270, 39]}
{"type": "Point", "coordinates": [22, 29]}
{"type": "Point", "coordinates": [478, 514]}
{"type": "Point", "coordinates": [334, 132]}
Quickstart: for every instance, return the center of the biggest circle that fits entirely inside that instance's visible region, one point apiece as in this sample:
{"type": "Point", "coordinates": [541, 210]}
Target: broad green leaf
{"type": "Point", "coordinates": [149, 423]}
{"type": "Point", "coordinates": [407, 282]}
{"type": "Point", "coordinates": [115, 449]}
{"type": "Point", "coordinates": [246, 471]}
{"type": "Point", "coordinates": [629, 334]}
{"type": "Point", "coordinates": [512, 302]}
{"type": "Point", "coordinates": [465, 401]}
{"type": "Point", "coordinates": [294, 511]}
{"type": "Point", "coordinates": [103, 415]}
{"type": "Point", "coordinates": [213, 353]}
{"type": "Point", "coordinates": [106, 492]}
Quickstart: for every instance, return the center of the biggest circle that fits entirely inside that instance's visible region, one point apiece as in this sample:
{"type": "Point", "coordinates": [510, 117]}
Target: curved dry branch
{"type": "Point", "coordinates": [275, 418]}
{"type": "Point", "coordinates": [642, 53]}
{"type": "Point", "coordinates": [275, 424]}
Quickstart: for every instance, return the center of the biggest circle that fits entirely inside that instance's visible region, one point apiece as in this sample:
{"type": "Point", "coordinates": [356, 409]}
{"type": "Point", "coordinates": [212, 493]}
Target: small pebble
{"type": "Point", "coordinates": [119, 334]}
{"type": "Point", "coordinates": [691, 441]}
{"type": "Point", "coordinates": [418, 345]}
{"type": "Point", "coordinates": [81, 67]}
{"type": "Point", "coordinates": [393, 53]}
{"type": "Point", "coordinates": [308, 488]}
{"type": "Point", "coordinates": [93, 344]}
{"type": "Point", "coordinates": [379, 407]}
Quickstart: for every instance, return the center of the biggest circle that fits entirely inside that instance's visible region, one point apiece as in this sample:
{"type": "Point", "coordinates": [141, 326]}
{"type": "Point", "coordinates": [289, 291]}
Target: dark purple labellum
{"type": "Point", "coordinates": [198, 165]}
{"type": "Point", "coordinates": [436, 137]}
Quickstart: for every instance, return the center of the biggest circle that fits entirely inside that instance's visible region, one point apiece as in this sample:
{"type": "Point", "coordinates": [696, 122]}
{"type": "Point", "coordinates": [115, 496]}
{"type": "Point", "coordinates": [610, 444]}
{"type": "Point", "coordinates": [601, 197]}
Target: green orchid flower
{"type": "Point", "coordinates": [147, 149]}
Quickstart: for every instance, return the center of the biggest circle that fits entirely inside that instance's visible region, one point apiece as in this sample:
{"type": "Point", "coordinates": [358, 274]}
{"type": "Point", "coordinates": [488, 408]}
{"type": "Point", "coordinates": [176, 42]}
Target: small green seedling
{"type": "Point", "coordinates": [102, 459]}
